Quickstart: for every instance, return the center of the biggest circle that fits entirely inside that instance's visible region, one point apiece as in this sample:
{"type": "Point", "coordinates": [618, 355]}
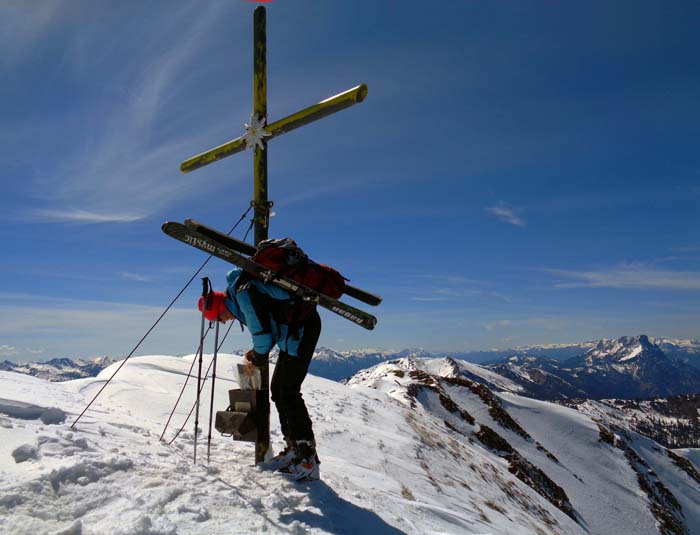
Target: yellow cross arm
{"type": "Point", "coordinates": [287, 124]}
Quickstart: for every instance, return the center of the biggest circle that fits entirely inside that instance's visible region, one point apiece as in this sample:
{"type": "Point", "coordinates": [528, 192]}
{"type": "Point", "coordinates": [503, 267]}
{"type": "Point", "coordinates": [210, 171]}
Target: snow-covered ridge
{"type": "Point", "coordinates": [62, 369]}
{"type": "Point", "coordinates": [689, 346]}
{"type": "Point", "coordinates": [550, 441]}
{"type": "Point", "coordinates": [338, 365]}
{"type": "Point", "coordinates": [620, 350]}
{"type": "Point", "coordinates": [673, 422]}
{"type": "Point", "coordinates": [628, 367]}
{"type": "Point", "coordinates": [452, 456]}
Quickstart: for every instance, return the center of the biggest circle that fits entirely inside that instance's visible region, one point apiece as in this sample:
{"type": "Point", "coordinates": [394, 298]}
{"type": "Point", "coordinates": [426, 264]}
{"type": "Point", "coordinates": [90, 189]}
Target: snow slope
{"type": "Point", "coordinates": [599, 479]}
{"type": "Point", "coordinates": [112, 475]}
{"type": "Point", "coordinates": [394, 460]}
{"type": "Point", "coordinates": [586, 466]}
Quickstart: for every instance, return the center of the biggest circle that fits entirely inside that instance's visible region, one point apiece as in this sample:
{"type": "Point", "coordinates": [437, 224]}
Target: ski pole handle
{"type": "Point", "coordinates": [206, 286]}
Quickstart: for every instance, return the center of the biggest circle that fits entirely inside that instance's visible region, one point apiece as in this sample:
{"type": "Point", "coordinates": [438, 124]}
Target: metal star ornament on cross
{"type": "Point", "coordinates": [255, 132]}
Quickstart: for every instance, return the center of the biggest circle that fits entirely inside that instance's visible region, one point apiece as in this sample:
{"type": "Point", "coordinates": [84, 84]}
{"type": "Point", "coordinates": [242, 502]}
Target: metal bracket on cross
{"type": "Point", "coordinates": [264, 212]}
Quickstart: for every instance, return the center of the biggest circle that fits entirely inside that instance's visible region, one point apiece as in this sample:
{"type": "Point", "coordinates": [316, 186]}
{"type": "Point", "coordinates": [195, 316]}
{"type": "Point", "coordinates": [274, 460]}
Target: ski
{"type": "Point", "coordinates": [214, 247]}
{"type": "Point", "coordinates": [248, 249]}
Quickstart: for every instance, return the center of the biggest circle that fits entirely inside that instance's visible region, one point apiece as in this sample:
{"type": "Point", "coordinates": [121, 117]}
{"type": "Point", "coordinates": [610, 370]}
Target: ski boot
{"type": "Point", "coordinates": [305, 464]}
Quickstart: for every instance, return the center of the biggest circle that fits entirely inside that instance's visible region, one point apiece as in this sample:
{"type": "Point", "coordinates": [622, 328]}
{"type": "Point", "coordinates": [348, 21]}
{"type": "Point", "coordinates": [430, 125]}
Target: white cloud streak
{"type": "Point", "coordinates": [549, 324]}
{"type": "Point", "coordinates": [124, 146]}
{"type": "Point", "coordinates": [134, 277]}
{"type": "Point", "coordinates": [80, 216]}
{"type": "Point", "coordinates": [7, 351]}
{"type": "Point", "coordinates": [500, 324]}
{"type": "Point", "coordinates": [630, 276]}
{"type": "Point", "coordinates": [444, 288]}
{"type": "Point", "coordinates": [84, 328]}
{"type": "Point", "coordinates": [22, 24]}
{"type": "Point", "coordinates": [506, 215]}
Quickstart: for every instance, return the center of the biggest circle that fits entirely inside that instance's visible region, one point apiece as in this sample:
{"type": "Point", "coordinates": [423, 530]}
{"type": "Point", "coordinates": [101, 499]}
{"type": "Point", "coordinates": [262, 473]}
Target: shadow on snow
{"type": "Point", "coordinates": [338, 516]}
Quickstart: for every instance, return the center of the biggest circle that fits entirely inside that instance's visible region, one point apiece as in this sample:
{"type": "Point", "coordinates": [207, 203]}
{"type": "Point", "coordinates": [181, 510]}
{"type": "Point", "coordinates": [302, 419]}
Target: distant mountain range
{"type": "Point", "coordinates": [602, 379]}
{"type": "Point", "coordinates": [63, 369]}
{"type": "Point", "coordinates": [687, 351]}
{"type": "Point", "coordinates": [629, 367]}
{"type": "Point", "coordinates": [625, 368]}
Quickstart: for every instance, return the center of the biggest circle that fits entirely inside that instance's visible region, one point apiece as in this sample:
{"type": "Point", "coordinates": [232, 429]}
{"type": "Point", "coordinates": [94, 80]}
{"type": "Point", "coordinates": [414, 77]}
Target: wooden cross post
{"type": "Point", "coordinates": [258, 134]}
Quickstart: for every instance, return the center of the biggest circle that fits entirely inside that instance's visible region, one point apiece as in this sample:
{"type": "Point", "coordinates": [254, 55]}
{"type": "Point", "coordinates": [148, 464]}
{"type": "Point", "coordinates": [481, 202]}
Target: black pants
{"type": "Point", "coordinates": [285, 386]}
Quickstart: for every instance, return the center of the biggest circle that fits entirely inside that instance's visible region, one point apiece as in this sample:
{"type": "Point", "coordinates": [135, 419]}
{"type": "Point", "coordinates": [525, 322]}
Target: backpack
{"type": "Point", "coordinates": [286, 258]}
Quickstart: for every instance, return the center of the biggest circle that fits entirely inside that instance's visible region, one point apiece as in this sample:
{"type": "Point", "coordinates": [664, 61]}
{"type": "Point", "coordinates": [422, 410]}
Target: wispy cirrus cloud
{"type": "Point", "coordinates": [632, 276]}
{"type": "Point", "coordinates": [22, 24]}
{"type": "Point", "coordinates": [10, 352]}
{"type": "Point", "coordinates": [7, 351]}
{"type": "Point", "coordinates": [436, 288]}
{"type": "Point", "coordinates": [80, 216]}
{"type": "Point", "coordinates": [500, 324]}
{"type": "Point", "coordinates": [505, 214]}
{"type": "Point", "coordinates": [550, 324]}
{"type": "Point", "coordinates": [117, 152]}
{"type": "Point", "coordinates": [134, 277]}
{"type": "Point", "coordinates": [84, 328]}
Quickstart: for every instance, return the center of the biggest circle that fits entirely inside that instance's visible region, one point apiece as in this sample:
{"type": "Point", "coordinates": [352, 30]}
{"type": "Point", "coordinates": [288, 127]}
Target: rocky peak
{"type": "Point", "coordinates": [622, 350]}
{"type": "Point", "coordinates": [61, 363]}
{"type": "Point", "coordinates": [327, 354]}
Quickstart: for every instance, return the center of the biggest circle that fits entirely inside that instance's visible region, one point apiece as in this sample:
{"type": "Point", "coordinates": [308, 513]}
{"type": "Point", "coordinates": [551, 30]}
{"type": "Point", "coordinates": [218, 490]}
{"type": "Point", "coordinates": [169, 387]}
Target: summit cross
{"type": "Point", "coordinates": [258, 134]}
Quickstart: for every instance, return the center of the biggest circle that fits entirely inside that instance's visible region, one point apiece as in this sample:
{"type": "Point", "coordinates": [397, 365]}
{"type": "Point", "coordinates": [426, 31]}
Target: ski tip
{"type": "Point", "coordinates": [370, 324]}
{"type": "Point", "coordinates": [370, 299]}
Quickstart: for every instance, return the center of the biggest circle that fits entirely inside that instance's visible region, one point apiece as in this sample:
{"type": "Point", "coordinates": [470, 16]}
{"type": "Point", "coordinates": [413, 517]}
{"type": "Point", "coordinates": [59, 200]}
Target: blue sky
{"type": "Point", "coordinates": [519, 173]}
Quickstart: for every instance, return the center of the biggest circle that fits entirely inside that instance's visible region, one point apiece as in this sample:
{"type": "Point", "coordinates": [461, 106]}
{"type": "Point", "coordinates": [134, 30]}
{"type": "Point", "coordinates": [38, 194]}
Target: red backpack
{"type": "Point", "coordinates": [285, 257]}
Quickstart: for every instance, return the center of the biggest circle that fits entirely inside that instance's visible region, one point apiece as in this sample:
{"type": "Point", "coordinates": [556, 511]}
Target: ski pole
{"type": "Point", "coordinates": [213, 381]}
{"type": "Point", "coordinates": [206, 286]}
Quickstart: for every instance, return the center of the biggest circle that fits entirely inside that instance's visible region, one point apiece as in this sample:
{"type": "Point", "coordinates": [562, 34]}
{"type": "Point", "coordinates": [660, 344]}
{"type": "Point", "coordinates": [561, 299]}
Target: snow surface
{"type": "Point", "coordinates": [586, 466]}
{"type": "Point", "coordinates": [596, 477]}
{"type": "Point", "coordinates": [387, 467]}
{"type": "Point", "coordinates": [112, 474]}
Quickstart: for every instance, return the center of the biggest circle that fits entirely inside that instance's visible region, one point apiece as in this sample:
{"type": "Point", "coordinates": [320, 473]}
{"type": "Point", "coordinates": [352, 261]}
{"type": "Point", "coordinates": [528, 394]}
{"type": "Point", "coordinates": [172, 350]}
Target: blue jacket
{"type": "Point", "coordinates": [259, 319]}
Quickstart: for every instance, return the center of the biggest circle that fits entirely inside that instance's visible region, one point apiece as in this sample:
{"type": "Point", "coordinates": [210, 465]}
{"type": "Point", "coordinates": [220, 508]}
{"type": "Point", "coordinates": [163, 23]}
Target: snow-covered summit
{"type": "Point", "coordinates": [338, 365]}
{"type": "Point", "coordinates": [626, 367]}
{"type": "Point", "coordinates": [446, 367]}
{"type": "Point", "coordinates": [622, 349]}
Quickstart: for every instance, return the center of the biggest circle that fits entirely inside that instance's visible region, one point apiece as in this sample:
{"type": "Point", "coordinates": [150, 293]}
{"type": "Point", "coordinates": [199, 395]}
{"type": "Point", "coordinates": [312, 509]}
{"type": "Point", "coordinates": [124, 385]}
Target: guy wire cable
{"type": "Point", "coordinates": [156, 322]}
{"type": "Point", "coordinates": [206, 375]}
{"type": "Point", "coordinates": [182, 390]}
{"type": "Point", "coordinates": [213, 380]}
